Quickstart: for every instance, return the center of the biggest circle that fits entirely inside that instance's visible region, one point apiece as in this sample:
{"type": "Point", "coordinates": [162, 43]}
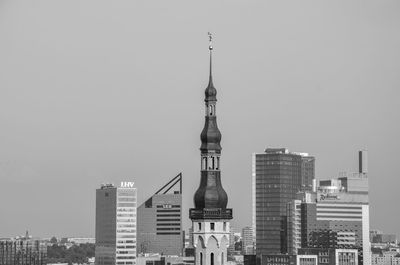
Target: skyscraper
{"type": "Point", "coordinates": [159, 223]}
{"type": "Point", "coordinates": [116, 224]}
{"type": "Point", "coordinates": [278, 175]}
{"type": "Point", "coordinates": [210, 215]}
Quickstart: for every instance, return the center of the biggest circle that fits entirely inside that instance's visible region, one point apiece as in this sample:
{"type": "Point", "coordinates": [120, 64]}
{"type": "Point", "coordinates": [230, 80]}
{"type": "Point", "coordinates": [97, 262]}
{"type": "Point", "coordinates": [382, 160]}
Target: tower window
{"type": "Point", "coordinates": [204, 163]}
{"type": "Point", "coordinates": [212, 226]}
{"type": "Point", "coordinates": [224, 226]}
{"type": "Point", "coordinates": [199, 226]}
{"type": "Point", "coordinates": [212, 259]}
{"type": "Point", "coordinates": [201, 258]}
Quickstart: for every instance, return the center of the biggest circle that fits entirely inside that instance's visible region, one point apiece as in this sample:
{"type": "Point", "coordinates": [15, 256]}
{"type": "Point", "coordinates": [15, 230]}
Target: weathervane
{"type": "Point", "coordinates": [210, 41]}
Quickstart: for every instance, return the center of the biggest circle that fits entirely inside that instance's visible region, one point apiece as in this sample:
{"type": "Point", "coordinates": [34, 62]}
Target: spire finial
{"type": "Point", "coordinates": [210, 48]}
{"type": "Point", "coordinates": [210, 41]}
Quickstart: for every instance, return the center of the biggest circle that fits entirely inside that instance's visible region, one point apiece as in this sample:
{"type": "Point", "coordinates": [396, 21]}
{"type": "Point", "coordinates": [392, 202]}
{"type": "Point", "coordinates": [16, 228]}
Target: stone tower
{"type": "Point", "coordinates": [210, 217]}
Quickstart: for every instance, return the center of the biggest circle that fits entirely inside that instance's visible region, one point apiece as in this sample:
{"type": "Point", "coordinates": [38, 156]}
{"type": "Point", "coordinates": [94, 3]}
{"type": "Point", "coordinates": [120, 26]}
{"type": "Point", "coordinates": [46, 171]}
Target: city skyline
{"type": "Point", "coordinates": [82, 109]}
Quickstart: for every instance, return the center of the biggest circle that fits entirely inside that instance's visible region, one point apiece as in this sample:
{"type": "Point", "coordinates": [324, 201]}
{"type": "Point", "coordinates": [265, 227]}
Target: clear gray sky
{"type": "Point", "coordinates": [103, 91]}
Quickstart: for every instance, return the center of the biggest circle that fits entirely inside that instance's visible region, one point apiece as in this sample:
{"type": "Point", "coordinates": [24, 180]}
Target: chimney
{"type": "Point", "coordinates": [363, 162]}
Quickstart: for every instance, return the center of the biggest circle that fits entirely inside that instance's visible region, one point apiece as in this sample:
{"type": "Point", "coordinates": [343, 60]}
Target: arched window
{"type": "Point", "coordinates": [212, 259]}
{"type": "Point", "coordinates": [213, 162]}
{"type": "Point", "coordinates": [201, 258]}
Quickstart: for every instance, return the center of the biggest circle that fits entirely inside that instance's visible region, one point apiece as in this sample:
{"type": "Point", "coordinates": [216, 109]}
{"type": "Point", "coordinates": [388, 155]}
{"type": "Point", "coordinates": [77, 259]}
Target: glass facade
{"type": "Point", "coordinates": [277, 177]}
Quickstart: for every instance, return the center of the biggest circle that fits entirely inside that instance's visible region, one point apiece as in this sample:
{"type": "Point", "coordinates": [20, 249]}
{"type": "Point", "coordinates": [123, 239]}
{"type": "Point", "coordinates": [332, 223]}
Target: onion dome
{"type": "Point", "coordinates": [210, 136]}
{"type": "Point", "coordinates": [210, 194]}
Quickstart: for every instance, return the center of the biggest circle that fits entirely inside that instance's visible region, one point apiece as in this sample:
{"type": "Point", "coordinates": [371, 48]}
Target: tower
{"type": "Point", "coordinates": [210, 217]}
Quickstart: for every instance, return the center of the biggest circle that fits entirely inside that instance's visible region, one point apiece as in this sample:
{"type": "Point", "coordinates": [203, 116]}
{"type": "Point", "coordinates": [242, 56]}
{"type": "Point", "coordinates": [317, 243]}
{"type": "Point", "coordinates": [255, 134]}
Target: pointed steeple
{"type": "Point", "coordinates": [210, 92]}
{"type": "Point", "coordinates": [210, 194]}
{"type": "Point", "coordinates": [210, 48]}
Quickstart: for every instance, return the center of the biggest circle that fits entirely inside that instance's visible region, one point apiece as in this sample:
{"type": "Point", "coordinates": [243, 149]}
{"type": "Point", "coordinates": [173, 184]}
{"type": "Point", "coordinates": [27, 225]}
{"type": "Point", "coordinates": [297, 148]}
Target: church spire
{"type": "Point", "coordinates": [210, 48]}
{"type": "Point", "coordinates": [210, 215]}
{"type": "Point", "coordinates": [210, 194]}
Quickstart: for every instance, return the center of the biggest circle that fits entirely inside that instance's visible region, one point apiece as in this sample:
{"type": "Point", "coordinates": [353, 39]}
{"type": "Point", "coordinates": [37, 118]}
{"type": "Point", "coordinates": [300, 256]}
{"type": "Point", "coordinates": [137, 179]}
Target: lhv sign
{"type": "Point", "coordinates": [125, 184]}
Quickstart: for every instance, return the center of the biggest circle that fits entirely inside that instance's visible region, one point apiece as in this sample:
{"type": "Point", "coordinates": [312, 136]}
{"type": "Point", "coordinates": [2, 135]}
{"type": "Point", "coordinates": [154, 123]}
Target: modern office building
{"type": "Point", "coordinates": [116, 224]}
{"type": "Point", "coordinates": [248, 240]}
{"type": "Point", "coordinates": [338, 216]}
{"type": "Point", "coordinates": [23, 251]}
{"type": "Point", "coordinates": [159, 221]}
{"type": "Point", "coordinates": [278, 175]}
{"type": "Point", "coordinates": [210, 215]}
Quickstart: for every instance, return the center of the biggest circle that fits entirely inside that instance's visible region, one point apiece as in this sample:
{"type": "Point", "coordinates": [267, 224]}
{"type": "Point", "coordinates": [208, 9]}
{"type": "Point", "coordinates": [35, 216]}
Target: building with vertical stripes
{"type": "Point", "coordinates": [23, 251]}
{"type": "Point", "coordinates": [116, 224]}
{"type": "Point", "coordinates": [160, 221]}
{"type": "Point", "coordinates": [277, 176]}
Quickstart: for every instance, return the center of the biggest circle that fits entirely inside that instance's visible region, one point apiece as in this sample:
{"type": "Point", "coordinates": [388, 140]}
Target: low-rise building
{"type": "Point", "coordinates": [23, 251]}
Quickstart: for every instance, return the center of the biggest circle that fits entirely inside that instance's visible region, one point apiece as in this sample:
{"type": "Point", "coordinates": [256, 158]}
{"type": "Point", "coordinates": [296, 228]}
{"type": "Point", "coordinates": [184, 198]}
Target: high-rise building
{"type": "Point", "coordinates": [247, 240]}
{"type": "Point", "coordinates": [159, 223]}
{"type": "Point", "coordinates": [278, 175]}
{"type": "Point", "coordinates": [210, 215]}
{"type": "Point", "coordinates": [116, 224]}
{"type": "Point", "coordinates": [23, 251]}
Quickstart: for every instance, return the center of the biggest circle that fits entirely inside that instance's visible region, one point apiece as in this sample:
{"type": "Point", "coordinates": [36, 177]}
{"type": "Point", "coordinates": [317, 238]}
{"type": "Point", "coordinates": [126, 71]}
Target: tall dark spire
{"type": "Point", "coordinates": [210, 195]}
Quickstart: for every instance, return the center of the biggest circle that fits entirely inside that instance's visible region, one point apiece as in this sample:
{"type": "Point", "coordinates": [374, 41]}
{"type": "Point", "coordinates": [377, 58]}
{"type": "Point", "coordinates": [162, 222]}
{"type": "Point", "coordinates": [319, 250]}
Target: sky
{"type": "Point", "coordinates": [98, 92]}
